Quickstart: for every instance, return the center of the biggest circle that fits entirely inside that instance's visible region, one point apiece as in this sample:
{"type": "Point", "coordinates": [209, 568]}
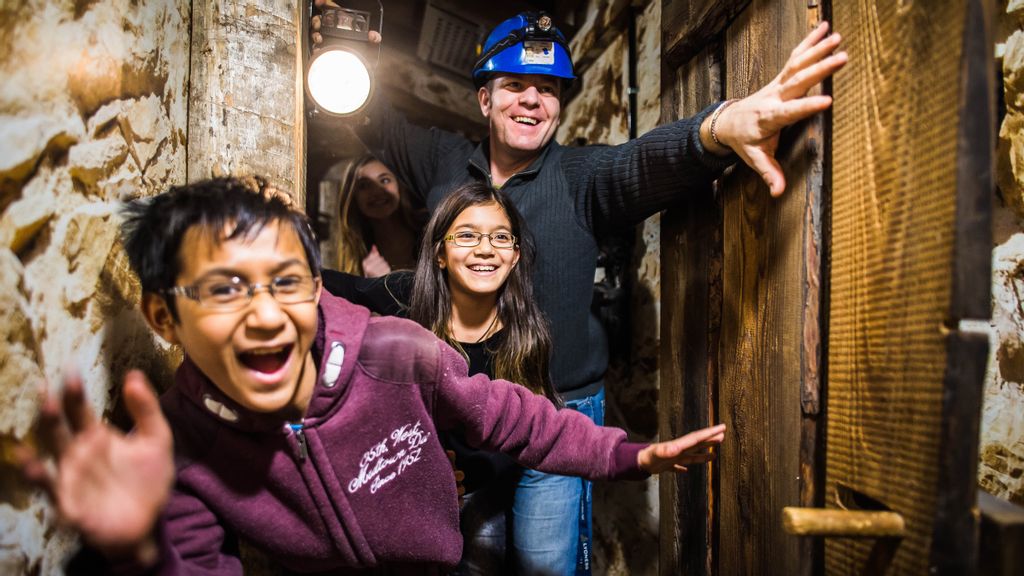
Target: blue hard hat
{"type": "Point", "coordinates": [528, 43]}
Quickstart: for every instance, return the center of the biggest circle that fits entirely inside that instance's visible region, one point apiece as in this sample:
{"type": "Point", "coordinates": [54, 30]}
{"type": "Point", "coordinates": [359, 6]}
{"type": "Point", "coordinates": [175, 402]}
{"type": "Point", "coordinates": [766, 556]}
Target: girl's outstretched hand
{"type": "Point", "coordinates": [109, 486]}
{"type": "Point", "coordinates": [697, 447]}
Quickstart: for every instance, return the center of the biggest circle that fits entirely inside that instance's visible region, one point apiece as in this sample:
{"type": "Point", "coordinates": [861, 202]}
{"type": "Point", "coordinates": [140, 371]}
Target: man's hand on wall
{"type": "Point", "coordinates": [751, 126]}
{"type": "Point", "coordinates": [109, 486]}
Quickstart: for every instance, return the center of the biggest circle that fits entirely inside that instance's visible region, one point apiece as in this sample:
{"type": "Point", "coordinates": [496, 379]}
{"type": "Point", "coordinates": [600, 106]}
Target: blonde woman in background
{"type": "Point", "coordinates": [379, 229]}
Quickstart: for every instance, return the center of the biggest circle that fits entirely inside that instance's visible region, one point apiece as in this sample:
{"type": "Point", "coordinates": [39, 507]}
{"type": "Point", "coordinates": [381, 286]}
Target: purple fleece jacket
{"type": "Point", "coordinates": [364, 482]}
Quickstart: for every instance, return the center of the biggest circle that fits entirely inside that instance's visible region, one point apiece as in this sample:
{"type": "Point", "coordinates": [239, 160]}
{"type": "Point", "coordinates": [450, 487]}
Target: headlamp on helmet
{"type": "Point", "coordinates": [528, 43]}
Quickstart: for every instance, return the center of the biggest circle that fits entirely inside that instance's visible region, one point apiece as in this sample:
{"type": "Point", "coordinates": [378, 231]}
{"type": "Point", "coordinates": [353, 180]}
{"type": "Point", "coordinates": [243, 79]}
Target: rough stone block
{"type": "Point", "coordinates": [22, 221]}
{"type": "Point", "coordinates": [90, 162]}
{"type": "Point", "coordinates": [89, 237]}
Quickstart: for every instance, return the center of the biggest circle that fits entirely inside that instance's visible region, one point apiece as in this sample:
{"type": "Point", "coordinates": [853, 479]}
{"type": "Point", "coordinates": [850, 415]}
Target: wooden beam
{"type": "Point", "coordinates": [955, 533]}
{"type": "Point", "coordinates": [691, 318]}
{"type": "Point", "coordinates": [761, 353]}
{"type": "Point", "coordinates": [688, 25]}
{"type": "Point", "coordinates": [1002, 536]}
{"type": "Point", "coordinates": [242, 90]}
{"type": "Point", "coordinates": [843, 523]}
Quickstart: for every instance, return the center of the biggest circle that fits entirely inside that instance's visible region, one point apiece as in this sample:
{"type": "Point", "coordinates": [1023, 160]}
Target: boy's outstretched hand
{"type": "Point", "coordinates": [694, 448]}
{"type": "Point", "coordinates": [109, 486]}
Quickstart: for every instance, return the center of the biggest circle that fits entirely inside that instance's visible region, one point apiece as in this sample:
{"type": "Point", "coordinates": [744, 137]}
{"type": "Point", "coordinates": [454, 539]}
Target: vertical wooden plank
{"type": "Point", "coordinates": [691, 25]}
{"type": "Point", "coordinates": [815, 314]}
{"type": "Point", "coordinates": [955, 532]}
{"type": "Point", "coordinates": [761, 357]}
{"type": "Point", "coordinates": [904, 380]}
{"type": "Point", "coordinates": [242, 93]}
{"type": "Point", "coordinates": [691, 314]}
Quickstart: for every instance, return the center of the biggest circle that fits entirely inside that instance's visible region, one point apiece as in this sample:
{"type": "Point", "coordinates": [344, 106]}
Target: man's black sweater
{"type": "Point", "coordinates": [569, 197]}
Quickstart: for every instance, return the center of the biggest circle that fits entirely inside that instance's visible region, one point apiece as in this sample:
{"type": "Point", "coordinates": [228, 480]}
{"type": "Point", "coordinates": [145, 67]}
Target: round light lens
{"type": "Point", "coordinates": [338, 81]}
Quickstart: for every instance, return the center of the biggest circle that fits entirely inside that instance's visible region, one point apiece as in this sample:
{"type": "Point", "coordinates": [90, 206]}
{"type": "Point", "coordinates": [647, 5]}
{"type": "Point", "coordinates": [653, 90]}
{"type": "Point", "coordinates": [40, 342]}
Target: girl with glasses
{"type": "Point", "coordinates": [472, 288]}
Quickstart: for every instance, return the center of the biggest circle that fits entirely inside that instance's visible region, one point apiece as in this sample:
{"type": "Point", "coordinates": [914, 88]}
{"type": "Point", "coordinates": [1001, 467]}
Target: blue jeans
{"type": "Point", "coordinates": [552, 526]}
{"type": "Point", "coordinates": [484, 518]}
{"type": "Point", "coordinates": [551, 515]}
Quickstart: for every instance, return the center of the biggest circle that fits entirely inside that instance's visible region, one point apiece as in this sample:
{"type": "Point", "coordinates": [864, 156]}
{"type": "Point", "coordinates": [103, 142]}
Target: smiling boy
{"type": "Point", "coordinates": [300, 424]}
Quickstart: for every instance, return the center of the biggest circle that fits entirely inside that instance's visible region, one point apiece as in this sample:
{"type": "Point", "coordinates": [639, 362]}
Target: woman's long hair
{"type": "Point", "coordinates": [355, 235]}
{"type": "Point", "coordinates": [524, 353]}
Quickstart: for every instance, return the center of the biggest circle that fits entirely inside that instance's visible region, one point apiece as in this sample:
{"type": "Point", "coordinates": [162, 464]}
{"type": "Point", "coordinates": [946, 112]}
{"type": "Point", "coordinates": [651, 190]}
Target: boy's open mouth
{"type": "Point", "coordinates": [267, 360]}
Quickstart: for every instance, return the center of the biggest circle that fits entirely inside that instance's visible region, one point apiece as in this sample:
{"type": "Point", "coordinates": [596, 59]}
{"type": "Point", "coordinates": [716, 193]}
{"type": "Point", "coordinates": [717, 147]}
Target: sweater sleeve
{"type": "Point", "coordinates": [620, 186]}
{"type": "Point", "coordinates": [386, 295]}
{"type": "Point", "coordinates": [412, 151]}
{"type": "Point", "coordinates": [505, 417]}
{"type": "Point", "coordinates": [190, 540]}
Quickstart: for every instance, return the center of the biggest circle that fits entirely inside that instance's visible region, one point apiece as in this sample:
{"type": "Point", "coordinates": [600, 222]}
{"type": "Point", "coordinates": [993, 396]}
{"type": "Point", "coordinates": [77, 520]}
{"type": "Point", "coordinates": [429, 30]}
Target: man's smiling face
{"type": "Point", "coordinates": [523, 111]}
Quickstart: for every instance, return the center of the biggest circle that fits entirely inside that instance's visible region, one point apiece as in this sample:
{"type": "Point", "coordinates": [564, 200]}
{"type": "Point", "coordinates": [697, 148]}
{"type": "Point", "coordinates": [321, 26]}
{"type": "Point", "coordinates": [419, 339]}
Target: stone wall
{"type": "Point", "coordinates": [626, 513]}
{"type": "Point", "coordinates": [1001, 470]}
{"type": "Point", "coordinates": [92, 110]}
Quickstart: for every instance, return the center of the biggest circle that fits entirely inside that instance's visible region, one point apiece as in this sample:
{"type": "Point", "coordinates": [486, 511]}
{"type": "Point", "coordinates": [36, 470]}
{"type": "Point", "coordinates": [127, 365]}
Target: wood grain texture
{"type": "Point", "coordinates": [690, 25]}
{"type": "Point", "coordinates": [845, 523]}
{"type": "Point", "coordinates": [691, 316]}
{"type": "Point", "coordinates": [762, 340]}
{"type": "Point", "coordinates": [242, 92]}
{"type": "Point", "coordinates": [894, 229]}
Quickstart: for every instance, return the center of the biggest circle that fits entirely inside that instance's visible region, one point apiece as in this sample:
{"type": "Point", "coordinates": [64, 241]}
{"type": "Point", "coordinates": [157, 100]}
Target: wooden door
{"type": "Point", "coordinates": [873, 273]}
{"type": "Point", "coordinates": [911, 165]}
{"type": "Point", "coordinates": [741, 299]}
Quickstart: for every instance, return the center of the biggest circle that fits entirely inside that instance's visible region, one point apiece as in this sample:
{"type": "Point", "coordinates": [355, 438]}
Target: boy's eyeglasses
{"type": "Point", "coordinates": [231, 294]}
{"type": "Point", "coordinates": [469, 239]}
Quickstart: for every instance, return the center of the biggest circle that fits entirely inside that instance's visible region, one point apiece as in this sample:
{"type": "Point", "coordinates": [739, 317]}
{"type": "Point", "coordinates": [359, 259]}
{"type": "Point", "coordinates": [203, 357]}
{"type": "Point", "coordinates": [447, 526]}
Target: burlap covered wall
{"type": "Point", "coordinates": [92, 110]}
{"type": "Point", "coordinates": [1001, 470]}
{"type": "Point", "coordinates": [626, 513]}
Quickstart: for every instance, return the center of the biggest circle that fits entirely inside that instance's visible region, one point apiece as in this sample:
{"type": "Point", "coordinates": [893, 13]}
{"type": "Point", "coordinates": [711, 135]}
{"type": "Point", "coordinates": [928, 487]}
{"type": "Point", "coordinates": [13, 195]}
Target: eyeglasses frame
{"type": "Point", "coordinates": [480, 238]}
{"type": "Point", "coordinates": [191, 292]}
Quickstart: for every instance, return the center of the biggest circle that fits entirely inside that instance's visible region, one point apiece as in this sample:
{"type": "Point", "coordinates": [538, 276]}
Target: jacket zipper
{"type": "Point", "coordinates": [300, 438]}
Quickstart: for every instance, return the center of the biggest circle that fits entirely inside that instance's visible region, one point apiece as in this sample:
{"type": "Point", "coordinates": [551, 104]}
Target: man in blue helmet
{"type": "Point", "coordinates": [572, 196]}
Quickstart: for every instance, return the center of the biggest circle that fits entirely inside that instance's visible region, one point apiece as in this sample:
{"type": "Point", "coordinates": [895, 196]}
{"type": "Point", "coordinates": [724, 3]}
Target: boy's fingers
{"type": "Point", "coordinates": [144, 407]}
{"type": "Point", "coordinates": [33, 468]}
{"type": "Point", "coordinates": [76, 408]}
{"type": "Point", "coordinates": [52, 431]}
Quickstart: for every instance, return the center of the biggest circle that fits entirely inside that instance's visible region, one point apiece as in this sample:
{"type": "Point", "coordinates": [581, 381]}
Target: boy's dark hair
{"type": "Point", "coordinates": [154, 228]}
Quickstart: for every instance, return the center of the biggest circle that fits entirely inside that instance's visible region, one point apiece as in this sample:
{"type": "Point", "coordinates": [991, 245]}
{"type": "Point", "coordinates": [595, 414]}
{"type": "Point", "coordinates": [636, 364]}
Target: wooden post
{"type": "Point", "coordinates": [245, 113]}
{"type": "Point", "coordinates": [845, 523]}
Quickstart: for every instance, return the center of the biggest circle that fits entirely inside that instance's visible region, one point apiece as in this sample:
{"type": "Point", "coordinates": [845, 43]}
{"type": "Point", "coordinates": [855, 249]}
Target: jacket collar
{"type": "Point", "coordinates": [335, 350]}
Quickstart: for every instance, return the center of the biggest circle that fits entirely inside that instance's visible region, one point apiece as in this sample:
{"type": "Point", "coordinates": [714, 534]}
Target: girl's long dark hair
{"type": "Point", "coordinates": [524, 353]}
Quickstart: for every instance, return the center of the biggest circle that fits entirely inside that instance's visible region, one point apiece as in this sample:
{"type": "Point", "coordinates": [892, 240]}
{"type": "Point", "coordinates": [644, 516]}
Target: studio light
{"type": "Point", "coordinates": [339, 80]}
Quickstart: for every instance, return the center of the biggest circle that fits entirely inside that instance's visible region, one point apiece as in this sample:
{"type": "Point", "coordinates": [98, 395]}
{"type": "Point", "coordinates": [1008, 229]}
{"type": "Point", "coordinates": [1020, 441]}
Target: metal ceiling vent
{"type": "Point", "coordinates": [448, 40]}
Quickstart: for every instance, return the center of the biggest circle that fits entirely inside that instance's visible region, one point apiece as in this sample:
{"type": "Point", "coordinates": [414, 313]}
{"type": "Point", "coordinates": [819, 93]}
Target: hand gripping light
{"type": "Point", "coordinates": [338, 79]}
